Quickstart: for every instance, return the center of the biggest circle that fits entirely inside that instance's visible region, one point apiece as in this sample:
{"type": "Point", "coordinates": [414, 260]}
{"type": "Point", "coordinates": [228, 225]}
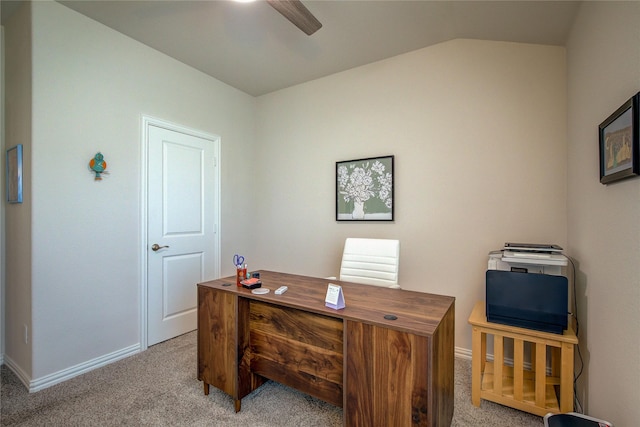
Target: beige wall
{"type": "Point", "coordinates": [90, 87]}
{"type": "Point", "coordinates": [478, 130]}
{"type": "Point", "coordinates": [604, 221]}
{"type": "Point", "coordinates": [17, 232]}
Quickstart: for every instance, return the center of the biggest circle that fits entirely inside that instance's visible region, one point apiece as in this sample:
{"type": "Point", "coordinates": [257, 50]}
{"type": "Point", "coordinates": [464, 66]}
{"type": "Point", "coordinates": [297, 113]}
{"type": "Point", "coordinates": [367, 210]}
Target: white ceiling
{"type": "Point", "coordinates": [253, 48]}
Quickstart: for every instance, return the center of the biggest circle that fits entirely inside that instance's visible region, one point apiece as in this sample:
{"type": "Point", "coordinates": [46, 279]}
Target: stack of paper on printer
{"type": "Point", "coordinates": [532, 251]}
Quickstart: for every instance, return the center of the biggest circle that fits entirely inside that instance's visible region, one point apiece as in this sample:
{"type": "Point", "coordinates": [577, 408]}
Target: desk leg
{"type": "Point", "coordinates": [478, 347]}
{"type": "Point", "coordinates": [237, 405]}
{"type": "Point", "coordinates": [206, 388]}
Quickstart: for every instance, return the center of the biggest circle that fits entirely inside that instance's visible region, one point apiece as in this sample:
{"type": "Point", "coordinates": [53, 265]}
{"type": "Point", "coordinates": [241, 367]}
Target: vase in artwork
{"type": "Point", "coordinates": [358, 210]}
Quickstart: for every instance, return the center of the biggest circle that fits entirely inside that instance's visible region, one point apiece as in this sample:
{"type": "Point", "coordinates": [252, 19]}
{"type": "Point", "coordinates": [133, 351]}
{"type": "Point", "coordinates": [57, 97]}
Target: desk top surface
{"type": "Point", "coordinates": [417, 312]}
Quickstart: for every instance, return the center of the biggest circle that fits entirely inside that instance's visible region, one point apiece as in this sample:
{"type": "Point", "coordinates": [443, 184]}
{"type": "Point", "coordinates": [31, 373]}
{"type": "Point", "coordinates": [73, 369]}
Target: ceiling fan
{"type": "Point", "coordinates": [298, 14]}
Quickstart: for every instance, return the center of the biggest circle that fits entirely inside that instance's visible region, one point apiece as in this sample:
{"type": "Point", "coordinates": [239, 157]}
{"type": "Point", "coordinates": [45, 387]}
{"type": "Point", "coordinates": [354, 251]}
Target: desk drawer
{"type": "Point", "coordinates": [297, 348]}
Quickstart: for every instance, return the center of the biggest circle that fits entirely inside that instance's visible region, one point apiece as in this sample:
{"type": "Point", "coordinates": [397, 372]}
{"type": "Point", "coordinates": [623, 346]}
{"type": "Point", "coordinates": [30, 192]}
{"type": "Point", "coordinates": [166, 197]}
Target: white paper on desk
{"type": "Point", "coordinates": [335, 297]}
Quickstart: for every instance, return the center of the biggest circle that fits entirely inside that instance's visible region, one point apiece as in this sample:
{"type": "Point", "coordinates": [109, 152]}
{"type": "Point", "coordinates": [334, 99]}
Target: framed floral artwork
{"type": "Point", "coordinates": [364, 189]}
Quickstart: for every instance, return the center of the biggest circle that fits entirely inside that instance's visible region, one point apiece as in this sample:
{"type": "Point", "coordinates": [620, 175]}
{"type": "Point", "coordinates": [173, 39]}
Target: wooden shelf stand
{"type": "Point", "coordinates": [529, 387]}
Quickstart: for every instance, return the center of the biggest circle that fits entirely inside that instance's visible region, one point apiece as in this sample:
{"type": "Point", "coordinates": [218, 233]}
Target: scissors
{"type": "Point", "coordinates": [238, 260]}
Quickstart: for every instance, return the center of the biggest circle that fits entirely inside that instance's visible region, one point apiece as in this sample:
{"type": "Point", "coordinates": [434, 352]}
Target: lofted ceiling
{"type": "Point", "coordinates": [253, 48]}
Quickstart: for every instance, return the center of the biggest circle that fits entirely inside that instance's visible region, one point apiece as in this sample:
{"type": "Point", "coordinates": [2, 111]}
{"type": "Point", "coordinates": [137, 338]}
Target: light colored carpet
{"type": "Point", "coordinates": [159, 387]}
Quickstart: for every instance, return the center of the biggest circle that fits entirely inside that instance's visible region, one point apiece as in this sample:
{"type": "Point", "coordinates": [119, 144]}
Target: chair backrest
{"type": "Point", "coordinates": [371, 262]}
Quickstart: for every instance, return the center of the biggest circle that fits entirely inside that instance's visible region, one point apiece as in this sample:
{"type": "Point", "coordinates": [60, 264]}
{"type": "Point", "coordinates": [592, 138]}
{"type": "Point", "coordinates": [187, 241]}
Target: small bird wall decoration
{"type": "Point", "coordinates": [98, 166]}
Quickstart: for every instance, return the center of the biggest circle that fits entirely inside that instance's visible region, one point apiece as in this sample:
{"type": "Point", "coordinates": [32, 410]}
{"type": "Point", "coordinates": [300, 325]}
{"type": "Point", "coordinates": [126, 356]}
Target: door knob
{"type": "Point", "coordinates": [156, 247]}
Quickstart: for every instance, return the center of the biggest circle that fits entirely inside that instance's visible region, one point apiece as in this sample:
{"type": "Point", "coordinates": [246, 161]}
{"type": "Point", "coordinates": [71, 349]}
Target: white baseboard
{"type": "Point", "coordinates": [66, 374]}
{"type": "Point", "coordinates": [463, 353]}
{"type": "Point", "coordinates": [74, 371]}
{"type": "Point", "coordinates": [22, 375]}
{"type": "Point", "coordinates": [41, 383]}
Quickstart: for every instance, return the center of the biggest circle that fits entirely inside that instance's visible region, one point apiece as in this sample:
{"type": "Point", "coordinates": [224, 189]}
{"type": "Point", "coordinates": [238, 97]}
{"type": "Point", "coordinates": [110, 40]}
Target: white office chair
{"type": "Point", "coordinates": [371, 262]}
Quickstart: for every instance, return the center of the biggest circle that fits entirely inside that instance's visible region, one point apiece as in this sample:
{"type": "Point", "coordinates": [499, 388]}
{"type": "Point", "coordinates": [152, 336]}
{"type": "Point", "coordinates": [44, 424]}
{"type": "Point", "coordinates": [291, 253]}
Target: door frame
{"type": "Point", "coordinates": [144, 202]}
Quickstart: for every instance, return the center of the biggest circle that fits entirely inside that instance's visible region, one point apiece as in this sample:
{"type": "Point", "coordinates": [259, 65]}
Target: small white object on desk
{"type": "Point", "coordinates": [281, 290]}
{"type": "Point", "coordinates": [335, 297]}
{"type": "Point", "coordinates": [260, 291]}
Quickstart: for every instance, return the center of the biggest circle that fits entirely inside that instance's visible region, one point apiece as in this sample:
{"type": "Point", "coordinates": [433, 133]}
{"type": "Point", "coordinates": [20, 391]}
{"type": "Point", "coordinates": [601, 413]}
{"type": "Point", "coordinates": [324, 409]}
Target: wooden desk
{"type": "Point", "coordinates": [530, 390]}
{"type": "Point", "coordinates": [381, 372]}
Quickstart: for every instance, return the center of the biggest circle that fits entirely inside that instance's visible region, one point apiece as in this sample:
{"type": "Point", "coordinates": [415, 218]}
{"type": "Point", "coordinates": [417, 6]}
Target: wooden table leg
{"type": "Point", "coordinates": [566, 378]}
{"type": "Point", "coordinates": [498, 363]}
{"type": "Point", "coordinates": [206, 388]}
{"type": "Point", "coordinates": [476, 365]}
{"type": "Point", "coordinates": [237, 405]}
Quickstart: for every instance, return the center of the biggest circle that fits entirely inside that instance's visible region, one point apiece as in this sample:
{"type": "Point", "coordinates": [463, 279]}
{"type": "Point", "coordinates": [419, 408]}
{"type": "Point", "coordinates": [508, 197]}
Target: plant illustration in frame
{"type": "Point", "coordinates": [364, 189]}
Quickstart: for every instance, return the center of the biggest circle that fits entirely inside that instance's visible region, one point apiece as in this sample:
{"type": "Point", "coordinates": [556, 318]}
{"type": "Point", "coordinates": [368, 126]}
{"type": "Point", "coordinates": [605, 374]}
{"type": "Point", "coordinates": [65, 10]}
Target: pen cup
{"type": "Point", "coordinates": [240, 275]}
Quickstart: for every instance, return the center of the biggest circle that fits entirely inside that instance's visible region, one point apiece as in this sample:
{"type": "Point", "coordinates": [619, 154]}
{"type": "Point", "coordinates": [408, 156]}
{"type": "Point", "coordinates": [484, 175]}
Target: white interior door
{"type": "Point", "coordinates": [181, 227]}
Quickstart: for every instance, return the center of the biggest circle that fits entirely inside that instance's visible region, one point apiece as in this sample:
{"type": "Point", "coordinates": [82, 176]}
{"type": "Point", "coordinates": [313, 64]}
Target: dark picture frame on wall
{"type": "Point", "coordinates": [618, 141]}
{"type": "Point", "coordinates": [364, 189]}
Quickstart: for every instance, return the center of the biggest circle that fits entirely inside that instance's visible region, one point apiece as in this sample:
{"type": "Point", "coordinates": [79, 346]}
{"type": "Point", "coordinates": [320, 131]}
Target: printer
{"type": "Point", "coordinates": [526, 286]}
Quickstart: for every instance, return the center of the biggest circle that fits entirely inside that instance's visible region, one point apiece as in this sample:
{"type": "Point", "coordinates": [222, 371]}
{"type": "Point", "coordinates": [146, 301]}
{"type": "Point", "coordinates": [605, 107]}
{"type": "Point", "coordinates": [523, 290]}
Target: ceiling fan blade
{"type": "Point", "coordinates": [298, 14]}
